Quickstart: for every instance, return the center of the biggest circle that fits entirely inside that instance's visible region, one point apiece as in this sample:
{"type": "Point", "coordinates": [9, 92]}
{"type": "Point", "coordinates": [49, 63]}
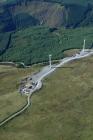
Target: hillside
{"type": "Point", "coordinates": [16, 15]}
{"type": "Point", "coordinates": [62, 110]}
{"type": "Point", "coordinates": [33, 45]}
{"type": "Point", "coordinates": [31, 30]}
{"type": "Point", "coordinates": [80, 2]}
{"type": "Point", "coordinates": [10, 99]}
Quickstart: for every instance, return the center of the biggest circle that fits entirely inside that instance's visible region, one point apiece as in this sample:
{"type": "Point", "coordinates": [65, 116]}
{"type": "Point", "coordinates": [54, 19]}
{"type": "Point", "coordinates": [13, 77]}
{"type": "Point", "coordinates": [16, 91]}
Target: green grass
{"type": "Point", "coordinates": [33, 45]}
{"type": "Point", "coordinates": [62, 110]}
{"type": "Point", "coordinates": [10, 99]}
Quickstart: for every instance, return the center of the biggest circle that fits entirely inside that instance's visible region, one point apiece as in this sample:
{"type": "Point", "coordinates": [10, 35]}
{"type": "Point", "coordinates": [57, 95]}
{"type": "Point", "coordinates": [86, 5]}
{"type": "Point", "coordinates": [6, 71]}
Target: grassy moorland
{"type": "Point", "coordinates": [62, 110]}
{"type": "Point", "coordinates": [10, 98]}
{"type": "Point", "coordinates": [33, 45]}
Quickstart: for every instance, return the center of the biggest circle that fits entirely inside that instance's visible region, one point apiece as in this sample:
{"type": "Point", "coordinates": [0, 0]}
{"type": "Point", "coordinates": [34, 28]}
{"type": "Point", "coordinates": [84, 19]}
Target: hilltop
{"type": "Point", "coordinates": [61, 110]}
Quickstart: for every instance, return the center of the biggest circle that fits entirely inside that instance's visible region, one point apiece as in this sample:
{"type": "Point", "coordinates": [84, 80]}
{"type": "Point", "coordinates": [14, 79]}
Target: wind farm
{"type": "Point", "coordinates": [46, 71]}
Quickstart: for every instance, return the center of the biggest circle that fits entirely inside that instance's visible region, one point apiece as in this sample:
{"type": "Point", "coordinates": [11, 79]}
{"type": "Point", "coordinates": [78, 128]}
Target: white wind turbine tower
{"type": "Point", "coordinates": [50, 60]}
{"type": "Point", "coordinates": [84, 45]}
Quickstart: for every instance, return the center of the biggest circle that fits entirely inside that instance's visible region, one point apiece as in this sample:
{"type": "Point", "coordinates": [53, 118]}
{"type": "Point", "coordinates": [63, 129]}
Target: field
{"type": "Point", "coordinates": [33, 45]}
{"type": "Point", "coordinates": [62, 110]}
{"type": "Point", "coordinates": [10, 99]}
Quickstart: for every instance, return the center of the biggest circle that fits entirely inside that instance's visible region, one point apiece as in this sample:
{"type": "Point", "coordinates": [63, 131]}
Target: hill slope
{"type": "Point", "coordinates": [33, 45]}
{"type": "Point", "coordinates": [63, 109]}
{"type": "Point", "coordinates": [33, 29]}
{"type": "Point", "coordinates": [21, 14]}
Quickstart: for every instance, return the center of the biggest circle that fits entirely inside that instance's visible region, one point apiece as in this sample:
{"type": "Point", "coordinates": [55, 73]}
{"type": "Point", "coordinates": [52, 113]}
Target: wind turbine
{"type": "Point", "coordinates": [50, 60]}
{"type": "Point", "coordinates": [84, 45]}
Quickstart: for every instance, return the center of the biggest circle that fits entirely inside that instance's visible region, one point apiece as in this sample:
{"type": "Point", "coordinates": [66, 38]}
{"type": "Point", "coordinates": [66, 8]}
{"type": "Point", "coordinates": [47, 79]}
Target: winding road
{"type": "Point", "coordinates": [37, 78]}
